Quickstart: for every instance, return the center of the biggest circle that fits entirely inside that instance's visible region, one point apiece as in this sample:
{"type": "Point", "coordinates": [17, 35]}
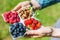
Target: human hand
{"type": "Point", "coordinates": [39, 33]}
{"type": "Point", "coordinates": [35, 4]}
{"type": "Point", "coordinates": [56, 32]}
{"type": "Point", "coordinates": [26, 4]}
{"type": "Point", "coordinates": [21, 5]}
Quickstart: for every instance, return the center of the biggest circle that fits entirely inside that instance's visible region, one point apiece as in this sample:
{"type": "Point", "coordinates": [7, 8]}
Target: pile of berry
{"type": "Point", "coordinates": [11, 17]}
{"type": "Point", "coordinates": [25, 14]}
{"type": "Point", "coordinates": [16, 27]}
{"type": "Point", "coordinates": [32, 24]}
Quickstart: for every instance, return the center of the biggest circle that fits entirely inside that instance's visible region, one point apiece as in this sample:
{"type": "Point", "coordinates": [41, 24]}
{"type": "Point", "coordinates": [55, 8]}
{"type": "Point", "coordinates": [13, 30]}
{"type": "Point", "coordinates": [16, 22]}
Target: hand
{"type": "Point", "coordinates": [39, 33]}
{"type": "Point", "coordinates": [26, 4]}
{"type": "Point", "coordinates": [21, 5]}
{"type": "Point", "coordinates": [56, 32]}
{"type": "Point", "coordinates": [35, 4]}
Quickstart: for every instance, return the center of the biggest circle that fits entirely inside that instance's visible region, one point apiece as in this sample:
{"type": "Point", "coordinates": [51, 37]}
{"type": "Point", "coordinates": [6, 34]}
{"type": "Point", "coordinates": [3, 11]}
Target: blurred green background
{"type": "Point", "coordinates": [48, 16]}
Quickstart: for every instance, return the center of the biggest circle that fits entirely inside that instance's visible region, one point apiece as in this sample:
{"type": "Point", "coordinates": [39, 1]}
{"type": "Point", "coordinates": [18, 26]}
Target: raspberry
{"type": "Point", "coordinates": [11, 17]}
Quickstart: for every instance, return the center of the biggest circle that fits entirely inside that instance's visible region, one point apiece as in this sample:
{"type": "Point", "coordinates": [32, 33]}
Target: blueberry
{"type": "Point", "coordinates": [16, 24]}
{"type": "Point", "coordinates": [14, 33]}
{"type": "Point", "coordinates": [17, 29]}
{"type": "Point", "coordinates": [20, 34]}
{"type": "Point", "coordinates": [24, 28]}
{"type": "Point", "coordinates": [12, 25]}
{"type": "Point", "coordinates": [20, 24]}
{"type": "Point", "coordinates": [17, 35]}
{"type": "Point", "coordinates": [21, 29]}
{"type": "Point", "coordinates": [14, 36]}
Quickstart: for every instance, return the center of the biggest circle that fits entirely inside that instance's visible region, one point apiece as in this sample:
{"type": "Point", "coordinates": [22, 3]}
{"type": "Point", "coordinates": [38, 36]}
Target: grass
{"type": "Point", "coordinates": [47, 16]}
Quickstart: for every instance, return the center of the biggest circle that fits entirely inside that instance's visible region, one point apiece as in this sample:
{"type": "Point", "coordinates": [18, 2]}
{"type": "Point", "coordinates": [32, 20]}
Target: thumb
{"type": "Point", "coordinates": [23, 8]}
{"type": "Point", "coordinates": [30, 32]}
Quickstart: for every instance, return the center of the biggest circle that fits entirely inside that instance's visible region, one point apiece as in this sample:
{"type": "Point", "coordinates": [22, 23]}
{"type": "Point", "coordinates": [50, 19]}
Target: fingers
{"type": "Point", "coordinates": [30, 32]}
{"type": "Point", "coordinates": [17, 7]}
{"type": "Point", "coordinates": [46, 30]}
{"type": "Point", "coordinates": [40, 35]}
{"type": "Point", "coordinates": [35, 36]}
{"type": "Point", "coordinates": [23, 8]}
{"type": "Point", "coordinates": [26, 3]}
{"type": "Point", "coordinates": [20, 5]}
{"type": "Point", "coordinates": [34, 33]}
{"type": "Point", "coordinates": [35, 4]}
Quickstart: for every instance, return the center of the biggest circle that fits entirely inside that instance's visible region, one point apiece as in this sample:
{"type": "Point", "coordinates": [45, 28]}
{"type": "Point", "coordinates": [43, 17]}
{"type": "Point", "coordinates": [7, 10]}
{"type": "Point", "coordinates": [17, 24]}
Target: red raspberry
{"type": "Point", "coordinates": [10, 21]}
{"type": "Point", "coordinates": [17, 19]}
{"type": "Point", "coordinates": [7, 20]}
{"type": "Point", "coordinates": [11, 17]}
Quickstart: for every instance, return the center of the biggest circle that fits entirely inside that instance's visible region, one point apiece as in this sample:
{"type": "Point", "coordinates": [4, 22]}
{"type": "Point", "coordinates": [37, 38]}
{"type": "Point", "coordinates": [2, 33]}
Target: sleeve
{"type": "Point", "coordinates": [44, 3]}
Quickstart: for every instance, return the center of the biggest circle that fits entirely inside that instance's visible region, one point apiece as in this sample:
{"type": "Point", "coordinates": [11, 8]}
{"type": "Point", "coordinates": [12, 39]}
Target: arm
{"type": "Point", "coordinates": [56, 32]}
{"type": "Point", "coordinates": [26, 3]}
{"type": "Point", "coordinates": [43, 3]}
{"type": "Point", "coordinates": [36, 4]}
{"type": "Point", "coordinates": [43, 31]}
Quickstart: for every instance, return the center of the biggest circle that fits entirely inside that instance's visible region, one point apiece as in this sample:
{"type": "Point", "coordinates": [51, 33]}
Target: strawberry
{"type": "Point", "coordinates": [33, 26]}
{"type": "Point", "coordinates": [29, 21]}
{"type": "Point", "coordinates": [38, 24]}
{"type": "Point", "coordinates": [26, 22]}
{"type": "Point", "coordinates": [29, 26]}
{"type": "Point", "coordinates": [35, 21]}
{"type": "Point", "coordinates": [36, 28]}
{"type": "Point", "coordinates": [32, 19]}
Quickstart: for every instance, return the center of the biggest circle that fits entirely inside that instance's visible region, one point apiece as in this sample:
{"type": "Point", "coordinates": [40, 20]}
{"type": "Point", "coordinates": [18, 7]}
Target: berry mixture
{"type": "Point", "coordinates": [17, 29]}
{"type": "Point", "coordinates": [25, 14]}
{"type": "Point", "coordinates": [11, 17]}
{"type": "Point", "coordinates": [32, 24]}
